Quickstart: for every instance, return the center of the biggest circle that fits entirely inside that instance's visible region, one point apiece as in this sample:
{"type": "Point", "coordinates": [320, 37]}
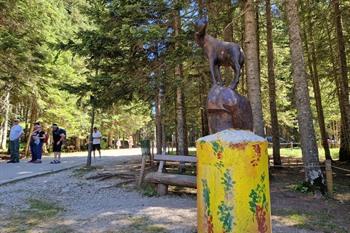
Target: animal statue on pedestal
{"type": "Point", "coordinates": [226, 108]}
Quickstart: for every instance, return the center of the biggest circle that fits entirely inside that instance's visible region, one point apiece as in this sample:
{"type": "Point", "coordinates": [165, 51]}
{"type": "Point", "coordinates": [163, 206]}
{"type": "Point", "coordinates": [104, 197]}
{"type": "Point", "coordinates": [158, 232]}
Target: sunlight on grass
{"type": "Point", "coordinates": [296, 152]}
{"type": "Point", "coordinates": [38, 212]}
{"type": "Point", "coordinates": [80, 172]}
{"type": "Point", "coordinates": [298, 219]}
{"type": "Point", "coordinates": [316, 221]}
{"type": "Point", "coordinates": [286, 152]}
{"type": "Point", "coordinates": [142, 225]}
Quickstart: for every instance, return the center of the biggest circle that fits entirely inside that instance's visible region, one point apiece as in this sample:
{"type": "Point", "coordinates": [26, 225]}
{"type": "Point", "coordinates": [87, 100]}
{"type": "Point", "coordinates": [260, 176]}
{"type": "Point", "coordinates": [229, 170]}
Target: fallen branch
{"type": "Point", "coordinates": [117, 185]}
{"type": "Point", "coordinates": [104, 176]}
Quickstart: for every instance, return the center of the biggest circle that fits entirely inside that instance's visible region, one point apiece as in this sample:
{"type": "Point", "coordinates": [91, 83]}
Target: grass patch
{"type": "Point", "coordinates": [61, 229]}
{"type": "Point", "coordinates": [191, 151]}
{"type": "Point", "coordinates": [43, 209]}
{"type": "Point", "coordinates": [316, 221]}
{"type": "Point", "coordinates": [82, 171]}
{"type": "Point", "coordinates": [142, 225]}
{"type": "Point", "coordinates": [38, 212]}
{"type": "Point", "coordinates": [288, 152]}
{"type": "Point", "coordinates": [296, 152]}
{"type": "Point", "coordinates": [148, 190]}
{"type": "Point", "coordinates": [300, 187]}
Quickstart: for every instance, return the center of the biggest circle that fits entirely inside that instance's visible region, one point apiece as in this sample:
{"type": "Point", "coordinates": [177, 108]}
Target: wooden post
{"type": "Point", "coordinates": [77, 143]}
{"type": "Point", "coordinates": [161, 165]}
{"type": "Point", "coordinates": [329, 177]}
{"type": "Point", "coordinates": [88, 161]}
{"type": "Point", "coordinates": [152, 153]}
{"type": "Point", "coordinates": [162, 189]}
{"type": "Point", "coordinates": [142, 172]}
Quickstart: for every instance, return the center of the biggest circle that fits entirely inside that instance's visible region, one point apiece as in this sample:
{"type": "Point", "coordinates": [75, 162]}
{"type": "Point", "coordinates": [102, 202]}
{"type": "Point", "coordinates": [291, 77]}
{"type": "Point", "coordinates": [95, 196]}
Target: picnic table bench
{"type": "Point", "coordinates": [163, 180]}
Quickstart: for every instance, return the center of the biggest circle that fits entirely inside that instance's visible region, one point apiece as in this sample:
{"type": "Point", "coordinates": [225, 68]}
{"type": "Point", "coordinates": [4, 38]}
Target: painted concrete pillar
{"type": "Point", "coordinates": [233, 192]}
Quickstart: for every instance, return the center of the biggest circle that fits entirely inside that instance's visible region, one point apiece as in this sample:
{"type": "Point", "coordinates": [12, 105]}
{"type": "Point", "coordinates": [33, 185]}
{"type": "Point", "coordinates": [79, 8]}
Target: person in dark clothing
{"type": "Point", "coordinates": [58, 136]}
{"type": "Point", "coordinates": [36, 143]}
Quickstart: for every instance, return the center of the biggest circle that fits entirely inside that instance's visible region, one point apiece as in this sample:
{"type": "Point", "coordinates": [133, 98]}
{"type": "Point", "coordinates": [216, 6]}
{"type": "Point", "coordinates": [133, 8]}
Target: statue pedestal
{"type": "Point", "coordinates": [228, 109]}
{"type": "Point", "coordinates": [233, 183]}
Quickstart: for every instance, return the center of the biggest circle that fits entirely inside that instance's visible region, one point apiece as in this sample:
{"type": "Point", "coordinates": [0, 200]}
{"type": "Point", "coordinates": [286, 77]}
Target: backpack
{"type": "Point", "coordinates": [65, 134]}
{"type": "Point", "coordinates": [59, 132]}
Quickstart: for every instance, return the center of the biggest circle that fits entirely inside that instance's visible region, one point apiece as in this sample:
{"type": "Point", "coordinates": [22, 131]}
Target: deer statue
{"type": "Point", "coordinates": [226, 108]}
{"type": "Point", "coordinates": [220, 53]}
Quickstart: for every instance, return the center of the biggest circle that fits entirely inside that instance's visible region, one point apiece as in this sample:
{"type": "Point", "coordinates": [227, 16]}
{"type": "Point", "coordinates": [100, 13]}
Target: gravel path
{"type": "Point", "coordinates": [88, 206]}
{"type": "Point", "coordinates": [23, 170]}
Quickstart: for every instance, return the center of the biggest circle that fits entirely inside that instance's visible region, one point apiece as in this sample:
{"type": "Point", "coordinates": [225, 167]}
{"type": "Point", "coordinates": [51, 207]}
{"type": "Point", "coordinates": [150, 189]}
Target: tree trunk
{"type": "Point", "coordinates": [110, 138]}
{"type": "Point", "coordinates": [252, 64]}
{"type": "Point", "coordinates": [158, 125]}
{"type": "Point", "coordinates": [203, 86]}
{"type": "Point", "coordinates": [33, 116]}
{"type": "Point", "coordinates": [77, 143]}
{"type": "Point", "coordinates": [203, 106]}
{"type": "Point", "coordinates": [344, 143]}
{"type": "Point", "coordinates": [26, 117]}
{"type": "Point", "coordinates": [272, 87]}
{"type": "Point", "coordinates": [181, 123]}
{"type": "Point", "coordinates": [162, 111]}
{"type": "Point", "coordinates": [312, 62]}
{"type": "Point", "coordinates": [180, 99]}
{"type": "Point", "coordinates": [228, 30]}
{"type": "Point", "coordinates": [257, 17]}
{"type": "Point", "coordinates": [88, 161]}
{"type": "Point", "coordinates": [228, 36]}
{"type": "Point", "coordinates": [344, 154]}
{"type": "Point", "coordinates": [243, 79]}
{"type": "Point", "coordinates": [4, 128]}
{"type": "Point", "coordinates": [313, 173]}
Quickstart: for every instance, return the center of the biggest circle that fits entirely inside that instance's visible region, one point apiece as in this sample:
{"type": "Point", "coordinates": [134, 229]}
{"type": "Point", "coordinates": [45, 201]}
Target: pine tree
{"type": "Point", "coordinates": [313, 173]}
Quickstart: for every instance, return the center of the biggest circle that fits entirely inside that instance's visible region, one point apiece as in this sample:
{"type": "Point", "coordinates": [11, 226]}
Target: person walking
{"type": "Point", "coordinates": [96, 141]}
{"type": "Point", "coordinates": [118, 143]}
{"type": "Point", "coordinates": [36, 143]}
{"type": "Point", "coordinates": [130, 142]}
{"type": "Point", "coordinates": [15, 135]}
{"type": "Point", "coordinates": [58, 136]}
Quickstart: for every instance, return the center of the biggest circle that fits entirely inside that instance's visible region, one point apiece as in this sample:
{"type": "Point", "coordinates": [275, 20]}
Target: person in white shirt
{"type": "Point", "coordinates": [119, 143]}
{"type": "Point", "coordinates": [96, 141]}
{"type": "Point", "coordinates": [15, 134]}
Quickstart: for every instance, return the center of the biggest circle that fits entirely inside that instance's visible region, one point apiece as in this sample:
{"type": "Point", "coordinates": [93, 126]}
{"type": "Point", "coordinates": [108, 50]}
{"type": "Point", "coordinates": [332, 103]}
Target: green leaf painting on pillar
{"type": "Point", "coordinates": [258, 204]}
{"type": "Point", "coordinates": [206, 198]}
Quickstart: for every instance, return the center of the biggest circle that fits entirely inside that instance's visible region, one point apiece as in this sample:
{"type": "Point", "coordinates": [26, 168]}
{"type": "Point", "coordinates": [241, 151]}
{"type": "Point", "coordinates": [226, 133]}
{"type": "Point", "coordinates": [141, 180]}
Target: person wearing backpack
{"type": "Point", "coordinates": [36, 143]}
{"type": "Point", "coordinates": [58, 136]}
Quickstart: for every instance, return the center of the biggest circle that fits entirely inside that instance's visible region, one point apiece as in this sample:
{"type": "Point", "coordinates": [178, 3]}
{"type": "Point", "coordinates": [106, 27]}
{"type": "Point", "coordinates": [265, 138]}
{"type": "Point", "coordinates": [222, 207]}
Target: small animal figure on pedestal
{"type": "Point", "coordinates": [220, 53]}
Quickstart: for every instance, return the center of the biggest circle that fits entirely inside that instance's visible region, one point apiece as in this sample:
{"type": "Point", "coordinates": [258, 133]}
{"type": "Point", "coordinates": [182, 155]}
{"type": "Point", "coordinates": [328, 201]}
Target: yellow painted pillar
{"type": "Point", "coordinates": [233, 192]}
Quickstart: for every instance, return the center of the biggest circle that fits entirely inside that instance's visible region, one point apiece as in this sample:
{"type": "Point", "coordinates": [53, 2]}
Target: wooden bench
{"type": "Point", "coordinates": [163, 180]}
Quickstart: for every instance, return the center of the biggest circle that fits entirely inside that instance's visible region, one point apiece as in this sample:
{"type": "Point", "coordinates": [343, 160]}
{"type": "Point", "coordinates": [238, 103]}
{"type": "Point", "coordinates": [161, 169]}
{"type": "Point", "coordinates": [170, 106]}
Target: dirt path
{"type": "Point", "coordinates": [68, 202]}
